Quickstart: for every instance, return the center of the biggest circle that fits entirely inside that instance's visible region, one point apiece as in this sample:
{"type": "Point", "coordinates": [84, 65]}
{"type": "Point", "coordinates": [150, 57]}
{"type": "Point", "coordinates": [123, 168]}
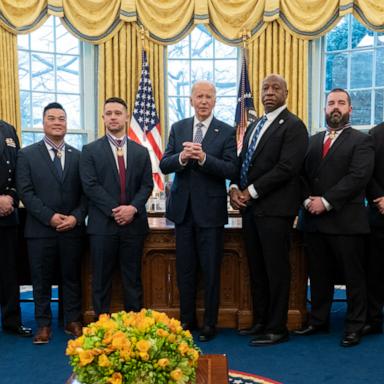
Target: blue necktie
{"type": "Point", "coordinates": [57, 163]}
{"type": "Point", "coordinates": [249, 153]}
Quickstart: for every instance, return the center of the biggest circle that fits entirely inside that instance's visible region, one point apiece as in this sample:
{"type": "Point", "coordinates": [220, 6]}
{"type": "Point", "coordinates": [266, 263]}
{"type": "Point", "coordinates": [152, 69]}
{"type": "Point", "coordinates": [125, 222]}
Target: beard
{"type": "Point", "coordinates": [336, 119]}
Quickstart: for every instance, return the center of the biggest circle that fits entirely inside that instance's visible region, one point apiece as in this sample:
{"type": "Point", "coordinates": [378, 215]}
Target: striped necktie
{"type": "Point", "coordinates": [198, 138]}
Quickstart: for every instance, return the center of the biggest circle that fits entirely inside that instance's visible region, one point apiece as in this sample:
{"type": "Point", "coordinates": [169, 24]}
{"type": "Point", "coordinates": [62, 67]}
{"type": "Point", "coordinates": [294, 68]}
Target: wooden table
{"type": "Point", "coordinates": [160, 287]}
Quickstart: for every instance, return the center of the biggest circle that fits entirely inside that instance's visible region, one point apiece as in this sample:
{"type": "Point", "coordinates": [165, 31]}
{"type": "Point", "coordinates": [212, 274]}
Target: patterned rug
{"type": "Point", "coordinates": [236, 377]}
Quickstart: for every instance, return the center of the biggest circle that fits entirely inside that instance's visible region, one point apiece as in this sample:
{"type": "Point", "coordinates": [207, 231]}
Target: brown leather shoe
{"type": "Point", "coordinates": [74, 328]}
{"type": "Point", "coordinates": [42, 335]}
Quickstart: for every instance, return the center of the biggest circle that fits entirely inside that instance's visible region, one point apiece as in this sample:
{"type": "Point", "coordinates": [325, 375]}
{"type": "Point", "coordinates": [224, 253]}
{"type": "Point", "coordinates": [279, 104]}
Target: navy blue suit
{"type": "Point", "coordinates": [43, 194]}
{"type": "Point", "coordinates": [198, 206]}
{"type": "Point", "coordinates": [109, 241]}
{"type": "Point", "coordinates": [9, 287]}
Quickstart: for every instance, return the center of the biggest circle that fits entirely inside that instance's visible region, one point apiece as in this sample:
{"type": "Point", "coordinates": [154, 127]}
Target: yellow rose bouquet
{"type": "Point", "coordinates": [145, 347]}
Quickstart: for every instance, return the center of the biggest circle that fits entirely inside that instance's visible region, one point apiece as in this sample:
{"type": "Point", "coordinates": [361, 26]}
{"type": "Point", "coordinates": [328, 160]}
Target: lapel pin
{"type": "Point", "coordinates": [216, 130]}
{"type": "Point", "coordinates": [281, 121]}
{"type": "Point", "coordinates": [69, 150]}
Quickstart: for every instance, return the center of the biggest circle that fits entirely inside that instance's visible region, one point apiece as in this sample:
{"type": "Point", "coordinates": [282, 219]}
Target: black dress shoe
{"type": "Point", "coordinates": [207, 333]}
{"type": "Point", "coordinates": [372, 329]}
{"type": "Point", "coordinates": [312, 330]}
{"type": "Point", "coordinates": [19, 330]}
{"type": "Point", "coordinates": [257, 329]}
{"type": "Point", "coordinates": [268, 339]}
{"type": "Point", "coordinates": [188, 326]}
{"type": "Point", "coordinates": [350, 339]}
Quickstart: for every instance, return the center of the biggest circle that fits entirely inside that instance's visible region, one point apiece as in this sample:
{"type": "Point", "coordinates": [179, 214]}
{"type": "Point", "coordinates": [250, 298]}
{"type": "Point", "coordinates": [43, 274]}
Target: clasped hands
{"type": "Point", "coordinates": [124, 214]}
{"type": "Point", "coordinates": [193, 151]}
{"type": "Point", "coordinates": [239, 199]}
{"type": "Point", "coordinates": [315, 205]}
{"type": "Point", "coordinates": [6, 205]}
{"type": "Point", "coordinates": [63, 223]}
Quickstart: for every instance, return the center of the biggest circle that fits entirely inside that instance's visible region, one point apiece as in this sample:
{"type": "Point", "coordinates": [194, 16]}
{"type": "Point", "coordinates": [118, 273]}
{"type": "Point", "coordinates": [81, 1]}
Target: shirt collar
{"type": "Point", "coordinates": [206, 122]}
{"type": "Point", "coordinates": [272, 115]}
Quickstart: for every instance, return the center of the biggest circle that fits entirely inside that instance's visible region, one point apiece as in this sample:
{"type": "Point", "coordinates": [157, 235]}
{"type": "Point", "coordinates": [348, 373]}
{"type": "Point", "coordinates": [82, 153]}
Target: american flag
{"type": "Point", "coordinates": [145, 124]}
{"type": "Point", "coordinates": [245, 110]}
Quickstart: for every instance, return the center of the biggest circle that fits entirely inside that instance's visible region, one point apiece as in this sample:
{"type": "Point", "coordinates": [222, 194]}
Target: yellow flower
{"type": "Point", "coordinates": [163, 362]}
{"type": "Point", "coordinates": [183, 348]}
{"type": "Point", "coordinates": [143, 345]}
{"type": "Point", "coordinates": [120, 341]}
{"type": "Point", "coordinates": [144, 356]}
{"type": "Point", "coordinates": [86, 357]}
{"type": "Point", "coordinates": [177, 374]}
{"type": "Point", "coordinates": [162, 333]}
{"type": "Point", "coordinates": [104, 361]}
{"type": "Point", "coordinates": [172, 338]}
{"type": "Point", "coordinates": [116, 378]}
{"type": "Point", "coordinates": [73, 345]}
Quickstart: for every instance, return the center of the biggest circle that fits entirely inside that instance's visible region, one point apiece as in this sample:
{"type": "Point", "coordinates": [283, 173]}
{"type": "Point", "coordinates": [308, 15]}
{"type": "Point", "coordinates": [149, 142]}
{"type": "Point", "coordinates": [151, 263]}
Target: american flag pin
{"type": "Point", "coordinates": [69, 150]}
{"type": "Point", "coordinates": [216, 130]}
{"type": "Point", "coordinates": [281, 121]}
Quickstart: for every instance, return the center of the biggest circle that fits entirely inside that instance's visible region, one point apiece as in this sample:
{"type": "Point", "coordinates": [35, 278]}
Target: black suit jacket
{"type": "Point", "coordinates": [341, 178]}
{"type": "Point", "coordinates": [376, 185]}
{"type": "Point", "coordinates": [275, 167]}
{"type": "Point", "coordinates": [101, 183]}
{"type": "Point", "coordinates": [201, 186]}
{"type": "Point", "coordinates": [9, 145]}
{"type": "Point", "coordinates": [43, 193]}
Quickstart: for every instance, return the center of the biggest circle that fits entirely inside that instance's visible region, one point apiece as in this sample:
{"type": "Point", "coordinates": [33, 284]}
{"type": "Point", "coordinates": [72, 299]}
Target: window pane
{"type": "Point", "coordinates": [361, 36]}
{"type": "Point", "coordinates": [178, 108]}
{"type": "Point", "coordinates": [202, 70]}
{"type": "Point", "coordinates": [337, 39]}
{"type": "Point", "coordinates": [201, 44]}
{"type": "Point", "coordinates": [65, 42]}
{"type": "Point", "coordinates": [68, 73]}
{"type": "Point", "coordinates": [225, 77]}
{"type": "Point", "coordinates": [43, 75]}
{"type": "Point", "coordinates": [39, 101]}
{"type": "Point", "coordinates": [379, 106]}
{"type": "Point", "coordinates": [225, 109]}
{"type": "Point", "coordinates": [336, 71]}
{"type": "Point", "coordinates": [361, 103]}
{"type": "Point", "coordinates": [29, 138]}
{"type": "Point", "coordinates": [24, 70]}
{"type": "Point", "coordinates": [25, 109]}
{"type": "Point", "coordinates": [75, 139]}
{"type": "Point", "coordinates": [72, 105]}
{"type": "Point", "coordinates": [380, 38]}
{"type": "Point", "coordinates": [361, 69]}
{"type": "Point", "coordinates": [225, 51]}
{"type": "Point", "coordinates": [380, 67]}
{"type": "Point", "coordinates": [42, 38]}
{"type": "Point", "coordinates": [178, 78]}
{"type": "Point", "coordinates": [179, 50]}
{"type": "Point", "coordinates": [23, 41]}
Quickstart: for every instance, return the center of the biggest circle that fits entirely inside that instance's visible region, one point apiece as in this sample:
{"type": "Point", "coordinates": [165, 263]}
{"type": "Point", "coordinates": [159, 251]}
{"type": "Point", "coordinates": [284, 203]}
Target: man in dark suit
{"type": "Point", "coordinates": [375, 254]}
{"type": "Point", "coordinates": [117, 178]}
{"type": "Point", "coordinates": [48, 183]}
{"type": "Point", "coordinates": [201, 151]}
{"type": "Point", "coordinates": [267, 192]}
{"type": "Point", "coordinates": [9, 287]}
{"type": "Point", "coordinates": [337, 168]}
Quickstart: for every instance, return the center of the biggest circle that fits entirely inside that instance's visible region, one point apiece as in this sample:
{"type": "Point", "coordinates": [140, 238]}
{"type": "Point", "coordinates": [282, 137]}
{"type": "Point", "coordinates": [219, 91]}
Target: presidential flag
{"type": "Point", "coordinates": [145, 124]}
{"type": "Point", "coordinates": [245, 110]}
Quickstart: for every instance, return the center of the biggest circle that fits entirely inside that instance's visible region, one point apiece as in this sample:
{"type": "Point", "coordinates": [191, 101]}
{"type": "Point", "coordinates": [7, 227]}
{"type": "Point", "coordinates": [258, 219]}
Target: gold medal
{"type": "Point", "coordinates": [120, 151]}
{"type": "Point", "coordinates": [59, 153]}
{"type": "Point", "coordinates": [332, 134]}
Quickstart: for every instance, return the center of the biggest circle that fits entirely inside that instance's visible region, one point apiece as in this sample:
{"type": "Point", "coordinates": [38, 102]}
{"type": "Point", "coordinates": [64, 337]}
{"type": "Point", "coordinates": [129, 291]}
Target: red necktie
{"type": "Point", "coordinates": [120, 161]}
{"type": "Point", "coordinates": [328, 142]}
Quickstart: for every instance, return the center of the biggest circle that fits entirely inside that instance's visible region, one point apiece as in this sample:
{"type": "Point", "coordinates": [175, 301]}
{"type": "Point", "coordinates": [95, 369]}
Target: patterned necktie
{"type": "Point", "coordinates": [249, 153]}
{"type": "Point", "coordinates": [198, 138]}
{"type": "Point", "coordinates": [120, 162]}
{"type": "Point", "coordinates": [57, 163]}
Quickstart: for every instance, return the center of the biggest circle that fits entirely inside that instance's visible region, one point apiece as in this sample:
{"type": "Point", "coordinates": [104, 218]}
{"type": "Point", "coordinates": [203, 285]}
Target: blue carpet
{"type": "Point", "coordinates": [303, 360]}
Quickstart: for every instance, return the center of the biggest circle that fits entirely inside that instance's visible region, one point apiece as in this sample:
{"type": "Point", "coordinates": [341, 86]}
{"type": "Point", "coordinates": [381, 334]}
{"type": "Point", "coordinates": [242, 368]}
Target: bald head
{"type": "Point", "coordinates": [274, 92]}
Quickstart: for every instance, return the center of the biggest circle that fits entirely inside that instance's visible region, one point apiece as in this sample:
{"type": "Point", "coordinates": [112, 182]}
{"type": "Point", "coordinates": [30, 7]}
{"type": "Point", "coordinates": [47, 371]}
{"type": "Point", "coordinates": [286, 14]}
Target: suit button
{"type": "Point", "coordinates": [10, 170]}
{"type": "Point", "coordinates": [9, 179]}
{"type": "Point", "coordinates": [7, 161]}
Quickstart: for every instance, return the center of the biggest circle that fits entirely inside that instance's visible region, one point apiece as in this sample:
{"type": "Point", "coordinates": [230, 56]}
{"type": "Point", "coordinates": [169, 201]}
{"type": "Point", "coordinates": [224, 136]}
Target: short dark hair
{"type": "Point", "coordinates": [53, 105]}
{"type": "Point", "coordinates": [116, 100]}
{"type": "Point", "coordinates": [343, 91]}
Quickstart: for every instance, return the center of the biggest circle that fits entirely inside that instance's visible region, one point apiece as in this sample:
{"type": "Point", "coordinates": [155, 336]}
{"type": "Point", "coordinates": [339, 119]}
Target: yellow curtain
{"type": "Point", "coordinates": [170, 20]}
{"type": "Point", "coordinates": [277, 51]}
{"type": "Point", "coordinates": [9, 80]}
{"type": "Point", "coordinates": [119, 69]}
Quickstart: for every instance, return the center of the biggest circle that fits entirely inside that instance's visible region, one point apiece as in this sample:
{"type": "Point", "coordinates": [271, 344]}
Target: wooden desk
{"type": "Point", "coordinates": [160, 287]}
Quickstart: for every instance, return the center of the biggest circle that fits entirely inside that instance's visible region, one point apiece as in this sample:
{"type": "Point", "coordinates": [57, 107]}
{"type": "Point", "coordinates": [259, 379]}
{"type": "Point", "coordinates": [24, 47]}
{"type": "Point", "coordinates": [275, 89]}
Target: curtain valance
{"type": "Point", "coordinates": [168, 21]}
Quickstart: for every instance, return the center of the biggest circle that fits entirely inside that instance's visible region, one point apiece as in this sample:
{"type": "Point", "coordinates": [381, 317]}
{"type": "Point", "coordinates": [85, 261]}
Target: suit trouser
{"type": "Point", "coordinates": [9, 286]}
{"type": "Point", "coordinates": [43, 254]}
{"type": "Point", "coordinates": [196, 246]}
{"type": "Point", "coordinates": [106, 252]}
{"type": "Point", "coordinates": [324, 252]}
{"type": "Point", "coordinates": [375, 276]}
{"type": "Point", "coordinates": [267, 241]}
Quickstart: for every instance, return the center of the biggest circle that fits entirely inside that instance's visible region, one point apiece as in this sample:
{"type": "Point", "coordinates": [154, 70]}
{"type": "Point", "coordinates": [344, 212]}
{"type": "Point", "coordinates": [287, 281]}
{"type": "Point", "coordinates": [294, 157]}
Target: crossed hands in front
{"type": "Point", "coordinates": [239, 199]}
{"type": "Point", "coordinates": [192, 151]}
